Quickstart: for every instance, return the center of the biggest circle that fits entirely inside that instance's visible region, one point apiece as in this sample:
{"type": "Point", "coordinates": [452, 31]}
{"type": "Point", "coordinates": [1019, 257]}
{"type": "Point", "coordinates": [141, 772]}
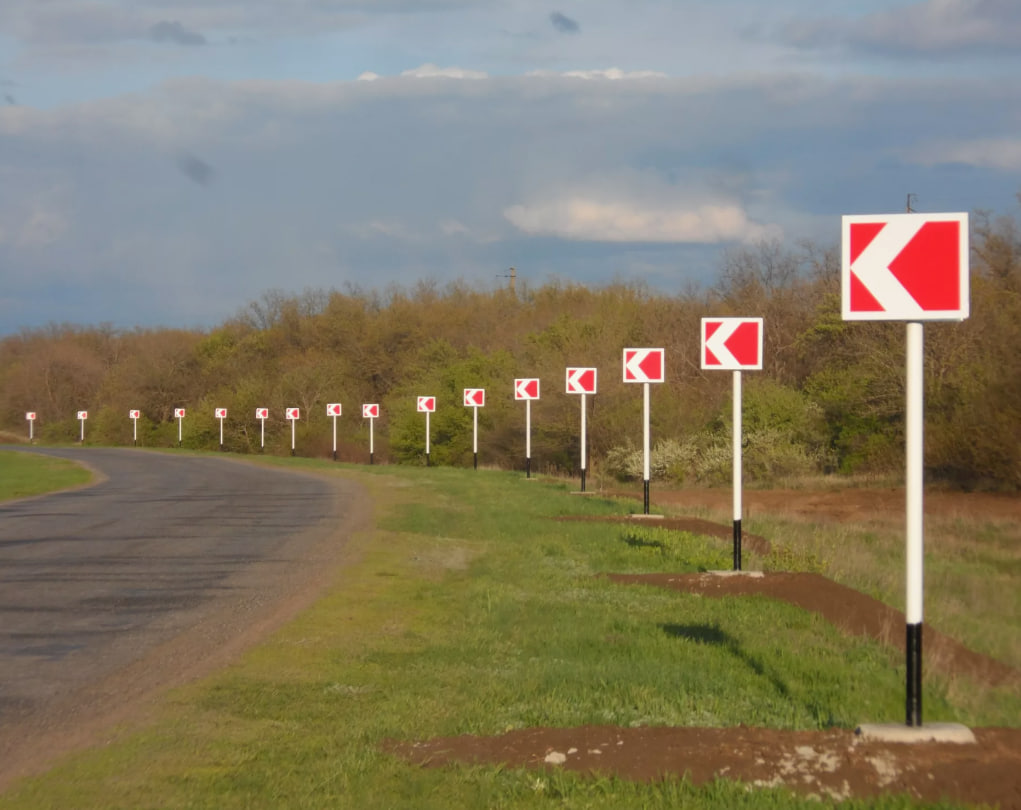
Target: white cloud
{"type": "Point", "coordinates": [612, 74]}
{"type": "Point", "coordinates": [1002, 154]}
{"type": "Point", "coordinates": [582, 218]}
{"type": "Point", "coordinates": [431, 71]}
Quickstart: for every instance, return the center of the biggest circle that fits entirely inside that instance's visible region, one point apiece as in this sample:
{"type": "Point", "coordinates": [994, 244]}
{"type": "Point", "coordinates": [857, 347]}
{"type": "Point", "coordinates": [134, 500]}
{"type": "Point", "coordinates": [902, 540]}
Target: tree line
{"type": "Point", "coordinates": [829, 399]}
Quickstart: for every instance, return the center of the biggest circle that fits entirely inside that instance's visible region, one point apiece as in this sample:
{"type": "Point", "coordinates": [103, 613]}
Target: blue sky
{"type": "Point", "coordinates": [164, 163]}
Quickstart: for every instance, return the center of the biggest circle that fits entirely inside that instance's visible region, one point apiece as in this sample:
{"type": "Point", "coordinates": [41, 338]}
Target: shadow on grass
{"type": "Point", "coordinates": [710, 634]}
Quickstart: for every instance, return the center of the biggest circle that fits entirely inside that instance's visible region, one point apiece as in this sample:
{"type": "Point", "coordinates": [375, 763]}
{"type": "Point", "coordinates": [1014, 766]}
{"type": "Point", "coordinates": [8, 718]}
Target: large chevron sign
{"type": "Point", "coordinates": [905, 267]}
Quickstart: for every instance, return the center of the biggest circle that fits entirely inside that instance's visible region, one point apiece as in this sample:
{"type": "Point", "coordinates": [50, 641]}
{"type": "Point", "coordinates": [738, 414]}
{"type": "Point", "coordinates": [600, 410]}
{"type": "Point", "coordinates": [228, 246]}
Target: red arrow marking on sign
{"type": "Point", "coordinates": [927, 266]}
{"type": "Point", "coordinates": [862, 234]}
{"type": "Point", "coordinates": [652, 365]}
{"type": "Point", "coordinates": [861, 299]}
{"type": "Point", "coordinates": [586, 380]}
{"type": "Point", "coordinates": [744, 344]}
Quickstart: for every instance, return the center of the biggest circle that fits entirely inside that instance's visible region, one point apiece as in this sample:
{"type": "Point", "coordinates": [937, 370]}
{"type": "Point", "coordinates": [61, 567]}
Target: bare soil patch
{"type": "Point", "coordinates": [833, 764]}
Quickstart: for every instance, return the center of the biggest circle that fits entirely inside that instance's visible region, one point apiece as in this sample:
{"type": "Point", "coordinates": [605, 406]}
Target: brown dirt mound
{"type": "Point", "coordinates": [831, 764]}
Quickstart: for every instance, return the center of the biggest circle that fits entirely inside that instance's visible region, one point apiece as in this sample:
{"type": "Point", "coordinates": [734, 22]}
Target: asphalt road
{"type": "Point", "coordinates": [91, 580]}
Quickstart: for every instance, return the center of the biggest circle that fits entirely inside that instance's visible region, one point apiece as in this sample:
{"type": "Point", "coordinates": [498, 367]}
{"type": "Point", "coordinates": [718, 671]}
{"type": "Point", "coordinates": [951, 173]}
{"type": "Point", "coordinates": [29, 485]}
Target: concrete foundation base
{"type": "Point", "coordinates": [645, 517]}
{"type": "Point", "coordinates": [927, 732]}
{"type": "Point", "coordinates": [579, 492]}
{"type": "Point", "coordinates": [736, 573]}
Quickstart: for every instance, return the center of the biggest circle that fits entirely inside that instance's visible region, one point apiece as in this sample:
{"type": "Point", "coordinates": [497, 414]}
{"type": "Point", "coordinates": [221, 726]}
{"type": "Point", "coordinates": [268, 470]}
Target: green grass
{"type": "Point", "coordinates": [26, 474]}
{"type": "Point", "coordinates": [470, 610]}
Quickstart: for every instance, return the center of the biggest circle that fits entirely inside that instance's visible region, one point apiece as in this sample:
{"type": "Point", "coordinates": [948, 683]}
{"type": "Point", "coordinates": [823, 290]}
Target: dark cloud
{"type": "Point", "coordinates": [195, 169]}
{"type": "Point", "coordinates": [933, 28]}
{"type": "Point", "coordinates": [176, 34]}
{"type": "Point", "coordinates": [563, 23]}
{"type": "Point", "coordinates": [10, 99]}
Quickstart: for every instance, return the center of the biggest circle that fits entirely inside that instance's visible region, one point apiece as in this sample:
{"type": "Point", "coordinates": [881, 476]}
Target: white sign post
{"type": "Point", "coordinates": [221, 414]}
{"type": "Point", "coordinates": [733, 344]}
{"type": "Point", "coordinates": [179, 416]}
{"type": "Point", "coordinates": [914, 268]}
{"type": "Point", "coordinates": [134, 415]}
{"type": "Point", "coordinates": [645, 366]}
{"type": "Point", "coordinates": [582, 381]}
{"type": "Point", "coordinates": [30, 417]}
{"type": "Point", "coordinates": [82, 416]}
{"type": "Point", "coordinates": [262, 414]}
{"type": "Point", "coordinates": [475, 398]}
{"type": "Point", "coordinates": [426, 405]}
{"type": "Point", "coordinates": [334, 410]}
{"type": "Point", "coordinates": [527, 389]}
{"type": "Point", "coordinates": [293, 415]}
{"type": "Point", "coordinates": [370, 411]}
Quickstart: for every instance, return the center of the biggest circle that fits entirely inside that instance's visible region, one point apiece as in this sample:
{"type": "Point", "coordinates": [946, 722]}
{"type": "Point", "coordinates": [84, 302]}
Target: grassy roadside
{"type": "Point", "coordinates": [471, 611]}
{"type": "Point", "coordinates": [26, 474]}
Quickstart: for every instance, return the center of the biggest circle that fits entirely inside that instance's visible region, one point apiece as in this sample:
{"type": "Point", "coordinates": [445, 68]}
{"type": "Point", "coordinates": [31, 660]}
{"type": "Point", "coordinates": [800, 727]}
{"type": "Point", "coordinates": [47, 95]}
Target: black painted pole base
{"type": "Point", "coordinates": [582, 479]}
{"type": "Point", "coordinates": [914, 680]}
{"type": "Point", "coordinates": [475, 462]}
{"type": "Point", "coordinates": [737, 544]}
{"type": "Point", "coordinates": [292, 451]}
{"type": "Point", "coordinates": [426, 459]}
{"type": "Point", "coordinates": [371, 459]}
{"type": "Point", "coordinates": [646, 496]}
{"type": "Point", "coordinates": [528, 467]}
{"type": "Point", "coordinates": [334, 455]}
{"type": "Point", "coordinates": [221, 448]}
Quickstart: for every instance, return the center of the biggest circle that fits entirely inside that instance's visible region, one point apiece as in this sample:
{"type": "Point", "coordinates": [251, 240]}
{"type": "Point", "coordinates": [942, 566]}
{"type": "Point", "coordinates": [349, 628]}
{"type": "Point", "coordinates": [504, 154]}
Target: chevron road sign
{"type": "Point", "coordinates": [370, 411]}
{"type": "Point", "coordinates": [526, 388]}
{"type": "Point", "coordinates": [426, 404]}
{"type": "Point", "coordinates": [581, 380]}
{"type": "Point", "coordinates": [474, 397]}
{"type": "Point", "coordinates": [333, 409]}
{"type": "Point", "coordinates": [644, 366]}
{"type": "Point", "coordinates": [732, 344]}
{"type": "Point", "coordinates": [905, 267]}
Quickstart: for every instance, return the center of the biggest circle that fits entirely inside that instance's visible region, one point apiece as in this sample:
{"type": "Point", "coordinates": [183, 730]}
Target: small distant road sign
{"type": "Point", "coordinates": [370, 411]}
{"type": "Point", "coordinates": [178, 413]}
{"type": "Point", "coordinates": [426, 404]}
{"type": "Point", "coordinates": [474, 397]}
{"type": "Point", "coordinates": [526, 388]}
{"type": "Point", "coordinates": [83, 415]}
{"type": "Point", "coordinates": [333, 409]}
{"type": "Point", "coordinates": [262, 413]}
{"type": "Point", "coordinates": [581, 380]}
{"type": "Point", "coordinates": [732, 344]}
{"type": "Point", "coordinates": [135, 414]}
{"type": "Point", "coordinates": [644, 366]}
{"type": "Point", "coordinates": [905, 267]}
{"type": "Point", "coordinates": [30, 416]}
{"type": "Point", "coordinates": [293, 413]}
{"type": "Point", "coordinates": [221, 413]}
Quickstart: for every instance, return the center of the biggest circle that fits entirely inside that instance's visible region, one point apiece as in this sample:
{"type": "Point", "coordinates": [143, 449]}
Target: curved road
{"type": "Point", "coordinates": [94, 580]}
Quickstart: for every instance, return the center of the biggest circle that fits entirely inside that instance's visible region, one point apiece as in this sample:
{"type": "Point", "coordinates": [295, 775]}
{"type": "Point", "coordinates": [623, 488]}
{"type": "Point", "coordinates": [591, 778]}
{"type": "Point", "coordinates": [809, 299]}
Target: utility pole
{"type": "Point", "coordinates": [911, 198]}
{"type": "Point", "coordinates": [512, 274]}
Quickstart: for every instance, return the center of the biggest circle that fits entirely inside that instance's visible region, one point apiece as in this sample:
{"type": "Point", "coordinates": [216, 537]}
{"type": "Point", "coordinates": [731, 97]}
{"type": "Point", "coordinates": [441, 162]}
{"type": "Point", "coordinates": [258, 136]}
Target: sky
{"type": "Point", "coordinates": [165, 162]}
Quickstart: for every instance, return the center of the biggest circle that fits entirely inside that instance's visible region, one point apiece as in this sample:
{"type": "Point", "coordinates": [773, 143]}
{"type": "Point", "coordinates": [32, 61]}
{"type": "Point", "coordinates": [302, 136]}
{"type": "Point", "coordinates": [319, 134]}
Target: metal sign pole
{"type": "Point", "coordinates": [736, 431]}
{"type": "Point", "coordinates": [528, 438]}
{"type": "Point", "coordinates": [292, 435]}
{"type": "Point", "coordinates": [475, 436]}
{"type": "Point", "coordinates": [31, 431]}
{"type": "Point", "coordinates": [372, 447]}
{"type": "Point", "coordinates": [334, 437]}
{"type": "Point", "coordinates": [915, 510]}
{"type": "Point", "coordinates": [83, 430]}
{"type": "Point", "coordinates": [645, 445]}
{"type": "Point", "coordinates": [180, 429]}
{"type": "Point", "coordinates": [134, 433]}
{"type": "Point", "coordinates": [262, 434]}
{"type": "Point", "coordinates": [221, 433]}
{"type": "Point", "coordinates": [427, 438]}
{"type": "Point", "coordinates": [584, 443]}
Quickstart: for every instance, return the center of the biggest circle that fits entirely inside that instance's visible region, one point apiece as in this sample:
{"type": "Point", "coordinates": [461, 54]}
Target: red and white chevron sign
{"type": "Point", "coordinates": [581, 381]}
{"type": "Point", "coordinates": [178, 413]}
{"type": "Point", "coordinates": [333, 409]}
{"type": "Point", "coordinates": [526, 388]}
{"type": "Point", "coordinates": [30, 416]}
{"type": "Point", "coordinates": [474, 397]}
{"type": "Point", "coordinates": [644, 366]}
{"type": "Point", "coordinates": [262, 413]}
{"type": "Point", "coordinates": [426, 404]}
{"type": "Point", "coordinates": [221, 413]}
{"type": "Point", "coordinates": [293, 413]}
{"type": "Point", "coordinates": [370, 411]}
{"type": "Point", "coordinates": [905, 267]}
{"type": "Point", "coordinates": [732, 344]}
{"type": "Point", "coordinates": [134, 414]}
{"type": "Point", "coordinates": [83, 415]}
